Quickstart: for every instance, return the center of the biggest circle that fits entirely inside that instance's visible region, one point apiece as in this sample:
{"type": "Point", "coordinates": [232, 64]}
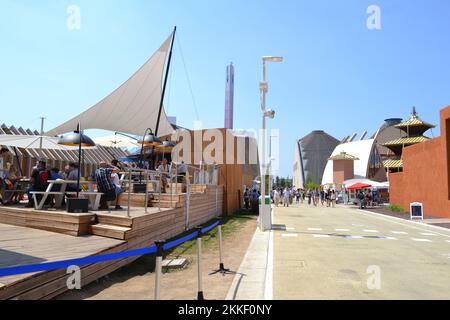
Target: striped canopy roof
{"type": "Point", "coordinates": [92, 156]}
{"type": "Point", "coordinates": [394, 164]}
{"type": "Point", "coordinates": [406, 141]}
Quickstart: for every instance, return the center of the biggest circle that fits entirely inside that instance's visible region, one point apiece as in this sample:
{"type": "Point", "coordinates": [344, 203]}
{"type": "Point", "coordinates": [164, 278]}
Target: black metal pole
{"type": "Point", "coordinates": [79, 160]}
{"type": "Point", "coordinates": [165, 82]}
{"type": "Point", "coordinates": [141, 156]}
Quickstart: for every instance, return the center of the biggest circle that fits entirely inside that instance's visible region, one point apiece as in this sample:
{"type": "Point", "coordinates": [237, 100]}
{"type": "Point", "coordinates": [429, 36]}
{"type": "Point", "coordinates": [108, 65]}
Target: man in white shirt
{"type": "Point", "coordinates": [116, 180]}
{"type": "Point", "coordinates": [164, 169]}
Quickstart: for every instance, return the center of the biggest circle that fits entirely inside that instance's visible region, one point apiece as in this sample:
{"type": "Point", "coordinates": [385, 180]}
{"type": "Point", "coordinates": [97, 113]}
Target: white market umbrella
{"type": "Point", "coordinates": [116, 141]}
{"type": "Point", "coordinates": [34, 142]}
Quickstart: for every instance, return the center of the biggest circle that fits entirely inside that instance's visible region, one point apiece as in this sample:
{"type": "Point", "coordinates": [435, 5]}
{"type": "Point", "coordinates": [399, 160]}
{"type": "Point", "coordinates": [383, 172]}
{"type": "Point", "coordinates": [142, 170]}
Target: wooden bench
{"type": "Point", "coordinates": [38, 205]}
{"type": "Point", "coordinates": [93, 197]}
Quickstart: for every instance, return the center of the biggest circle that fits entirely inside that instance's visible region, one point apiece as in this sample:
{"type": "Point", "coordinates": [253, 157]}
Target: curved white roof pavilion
{"type": "Point", "coordinates": [361, 149]}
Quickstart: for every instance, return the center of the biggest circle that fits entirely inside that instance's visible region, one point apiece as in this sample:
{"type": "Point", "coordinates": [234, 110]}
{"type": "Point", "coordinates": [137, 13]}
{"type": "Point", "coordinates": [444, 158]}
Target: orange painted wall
{"type": "Point", "coordinates": [425, 177]}
{"type": "Point", "coordinates": [343, 170]}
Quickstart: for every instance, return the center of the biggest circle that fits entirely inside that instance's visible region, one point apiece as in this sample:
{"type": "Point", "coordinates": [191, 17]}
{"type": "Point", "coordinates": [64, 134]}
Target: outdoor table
{"type": "Point", "coordinates": [94, 198]}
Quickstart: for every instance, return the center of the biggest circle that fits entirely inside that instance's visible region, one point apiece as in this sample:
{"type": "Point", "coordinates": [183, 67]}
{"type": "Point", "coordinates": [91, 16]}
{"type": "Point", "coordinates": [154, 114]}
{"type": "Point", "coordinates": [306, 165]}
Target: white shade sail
{"type": "Point", "coordinates": [131, 108]}
{"type": "Point", "coordinates": [34, 142]}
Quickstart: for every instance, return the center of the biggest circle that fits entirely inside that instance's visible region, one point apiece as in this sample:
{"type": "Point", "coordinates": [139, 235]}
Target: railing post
{"type": "Point", "coordinates": [158, 268]}
{"type": "Point", "coordinates": [217, 200]}
{"type": "Point", "coordinates": [160, 186]}
{"type": "Point", "coordinates": [171, 188]}
{"type": "Point", "coordinates": [188, 205]}
{"type": "Point", "coordinates": [200, 295]}
{"type": "Point", "coordinates": [146, 190]}
{"type": "Point", "coordinates": [129, 194]}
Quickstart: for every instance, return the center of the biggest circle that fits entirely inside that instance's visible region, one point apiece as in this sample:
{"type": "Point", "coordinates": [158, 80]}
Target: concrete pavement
{"type": "Point", "coordinates": [249, 282]}
{"type": "Point", "coordinates": [343, 253]}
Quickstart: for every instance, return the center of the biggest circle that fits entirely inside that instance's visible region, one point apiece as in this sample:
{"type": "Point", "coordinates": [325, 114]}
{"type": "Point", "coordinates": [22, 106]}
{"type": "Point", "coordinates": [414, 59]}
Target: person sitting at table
{"type": "Point", "coordinates": [12, 184]}
{"type": "Point", "coordinates": [116, 180]}
{"type": "Point", "coordinates": [3, 172]}
{"type": "Point", "coordinates": [117, 164]}
{"type": "Point", "coordinates": [73, 176]}
{"type": "Point", "coordinates": [164, 170]}
{"type": "Point", "coordinates": [106, 185]}
{"type": "Point", "coordinates": [65, 173]}
{"type": "Point", "coordinates": [55, 175]}
{"type": "Point", "coordinates": [39, 180]}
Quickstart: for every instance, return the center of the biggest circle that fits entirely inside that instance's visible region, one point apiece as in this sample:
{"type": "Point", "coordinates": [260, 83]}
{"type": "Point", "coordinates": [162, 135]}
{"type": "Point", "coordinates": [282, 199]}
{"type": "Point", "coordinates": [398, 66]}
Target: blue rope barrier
{"type": "Point", "coordinates": [207, 229]}
{"type": "Point", "coordinates": [4, 272]}
{"type": "Point", "coordinates": [180, 241]}
{"type": "Point", "coordinates": [48, 266]}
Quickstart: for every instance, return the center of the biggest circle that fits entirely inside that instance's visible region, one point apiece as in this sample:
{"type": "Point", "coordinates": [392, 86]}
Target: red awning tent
{"type": "Point", "coordinates": [358, 186]}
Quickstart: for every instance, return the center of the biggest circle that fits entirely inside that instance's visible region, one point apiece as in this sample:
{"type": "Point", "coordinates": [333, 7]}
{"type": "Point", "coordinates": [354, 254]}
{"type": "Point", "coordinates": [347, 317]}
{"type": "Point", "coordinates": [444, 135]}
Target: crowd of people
{"type": "Point", "coordinates": [289, 195]}
{"type": "Point", "coordinates": [107, 178]}
{"type": "Point", "coordinates": [251, 200]}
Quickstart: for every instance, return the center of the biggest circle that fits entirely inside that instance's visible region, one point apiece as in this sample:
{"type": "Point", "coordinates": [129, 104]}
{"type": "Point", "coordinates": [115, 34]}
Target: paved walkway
{"type": "Point", "coordinates": [342, 253]}
{"type": "Point", "coordinates": [249, 282]}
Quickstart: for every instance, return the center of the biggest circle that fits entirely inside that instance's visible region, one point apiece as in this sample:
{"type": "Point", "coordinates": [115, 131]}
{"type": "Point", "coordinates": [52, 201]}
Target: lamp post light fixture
{"type": "Point", "coordinates": [77, 138]}
{"type": "Point", "coordinates": [148, 140]}
{"type": "Point", "coordinates": [265, 215]}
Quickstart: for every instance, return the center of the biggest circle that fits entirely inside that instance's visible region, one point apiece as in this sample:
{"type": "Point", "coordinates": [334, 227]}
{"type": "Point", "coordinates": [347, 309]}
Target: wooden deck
{"type": "Point", "coordinates": [22, 246]}
{"type": "Point", "coordinates": [22, 243]}
{"type": "Point", "coordinates": [75, 224]}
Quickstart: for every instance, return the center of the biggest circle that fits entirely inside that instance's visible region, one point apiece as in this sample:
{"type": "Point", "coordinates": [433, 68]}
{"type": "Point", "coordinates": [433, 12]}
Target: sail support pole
{"type": "Point", "coordinates": [165, 82]}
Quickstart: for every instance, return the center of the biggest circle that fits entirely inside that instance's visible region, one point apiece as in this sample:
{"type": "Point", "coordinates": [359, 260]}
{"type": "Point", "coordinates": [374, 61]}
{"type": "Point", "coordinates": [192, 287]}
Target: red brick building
{"type": "Point", "coordinates": [426, 174]}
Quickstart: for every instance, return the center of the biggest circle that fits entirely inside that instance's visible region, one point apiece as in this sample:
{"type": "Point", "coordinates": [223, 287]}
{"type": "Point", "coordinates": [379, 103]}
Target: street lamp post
{"type": "Point", "coordinates": [265, 217]}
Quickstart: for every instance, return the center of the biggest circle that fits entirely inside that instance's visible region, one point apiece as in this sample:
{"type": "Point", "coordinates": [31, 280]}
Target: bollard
{"type": "Point", "coordinates": [158, 268]}
{"type": "Point", "coordinates": [200, 295]}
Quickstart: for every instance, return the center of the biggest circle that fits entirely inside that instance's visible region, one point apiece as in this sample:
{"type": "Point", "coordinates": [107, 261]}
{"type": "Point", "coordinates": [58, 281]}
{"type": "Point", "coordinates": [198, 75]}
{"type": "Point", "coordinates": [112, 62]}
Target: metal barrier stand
{"type": "Point", "coordinates": [158, 268]}
{"type": "Point", "coordinates": [222, 270]}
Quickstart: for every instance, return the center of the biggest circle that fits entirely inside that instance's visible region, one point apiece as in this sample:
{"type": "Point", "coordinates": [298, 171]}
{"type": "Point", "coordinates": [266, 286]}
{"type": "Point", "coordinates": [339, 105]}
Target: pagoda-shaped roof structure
{"type": "Point", "coordinates": [344, 156]}
{"type": "Point", "coordinates": [415, 127]}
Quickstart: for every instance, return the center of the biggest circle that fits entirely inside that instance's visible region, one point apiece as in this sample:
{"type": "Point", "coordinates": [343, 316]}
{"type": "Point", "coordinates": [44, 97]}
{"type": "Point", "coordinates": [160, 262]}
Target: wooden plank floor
{"type": "Point", "coordinates": [21, 246]}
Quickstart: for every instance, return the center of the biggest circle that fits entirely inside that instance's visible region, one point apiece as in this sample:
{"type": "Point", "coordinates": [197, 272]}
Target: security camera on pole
{"type": "Point", "coordinates": [265, 219]}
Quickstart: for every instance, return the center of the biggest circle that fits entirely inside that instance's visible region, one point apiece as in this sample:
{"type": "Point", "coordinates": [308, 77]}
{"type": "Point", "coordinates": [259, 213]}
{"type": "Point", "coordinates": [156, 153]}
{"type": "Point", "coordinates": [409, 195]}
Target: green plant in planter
{"type": "Point", "coordinates": [396, 208]}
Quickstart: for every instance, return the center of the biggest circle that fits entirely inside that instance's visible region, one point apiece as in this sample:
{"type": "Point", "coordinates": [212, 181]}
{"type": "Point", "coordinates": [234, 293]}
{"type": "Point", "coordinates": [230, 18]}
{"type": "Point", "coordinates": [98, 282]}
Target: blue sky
{"type": "Point", "coordinates": [338, 75]}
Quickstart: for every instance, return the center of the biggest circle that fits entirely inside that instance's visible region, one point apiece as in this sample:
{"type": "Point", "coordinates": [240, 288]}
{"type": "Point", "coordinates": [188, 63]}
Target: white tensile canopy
{"type": "Point", "coordinates": [131, 108]}
{"type": "Point", "coordinates": [116, 141]}
{"type": "Point", "coordinates": [34, 142]}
